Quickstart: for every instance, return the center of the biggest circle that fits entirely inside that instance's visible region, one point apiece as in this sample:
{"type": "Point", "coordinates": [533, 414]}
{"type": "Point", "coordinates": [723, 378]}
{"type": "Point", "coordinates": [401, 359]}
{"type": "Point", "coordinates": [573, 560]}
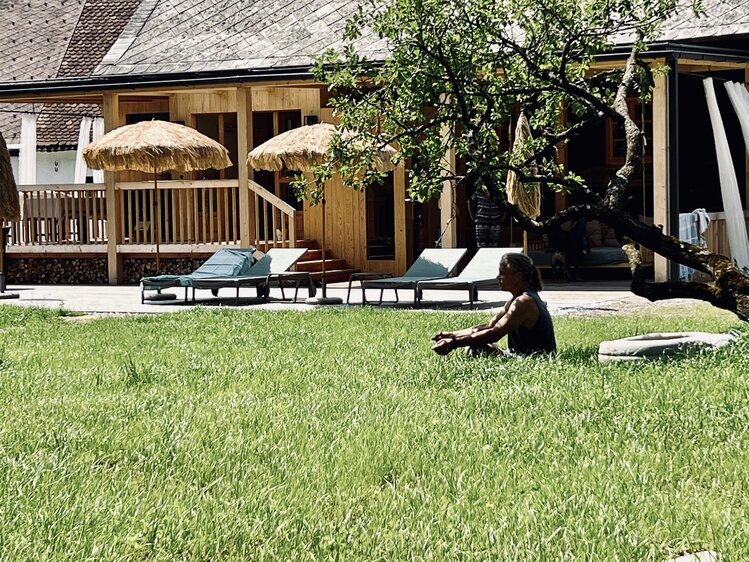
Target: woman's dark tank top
{"type": "Point", "coordinates": [538, 339]}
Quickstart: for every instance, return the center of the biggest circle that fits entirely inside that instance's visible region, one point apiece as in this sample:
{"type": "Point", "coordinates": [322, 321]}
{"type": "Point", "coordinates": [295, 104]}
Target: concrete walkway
{"type": "Point", "coordinates": [562, 298]}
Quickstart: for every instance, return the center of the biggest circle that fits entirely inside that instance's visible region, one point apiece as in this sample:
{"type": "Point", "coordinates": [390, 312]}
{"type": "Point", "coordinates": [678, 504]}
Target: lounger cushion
{"type": "Point", "coordinates": [226, 262]}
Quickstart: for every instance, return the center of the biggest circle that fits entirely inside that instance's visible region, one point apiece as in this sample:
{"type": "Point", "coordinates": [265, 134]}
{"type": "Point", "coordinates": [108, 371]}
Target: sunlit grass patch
{"type": "Point", "coordinates": [235, 434]}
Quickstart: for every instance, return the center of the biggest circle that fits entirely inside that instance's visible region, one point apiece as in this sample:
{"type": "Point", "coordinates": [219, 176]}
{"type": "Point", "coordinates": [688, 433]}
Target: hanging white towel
{"type": "Point", "coordinates": [703, 221]}
{"type": "Point", "coordinates": [84, 133]}
{"type": "Point", "coordinates": [729, 187]}
{"type": "Point", "coordinates": [98, 133]}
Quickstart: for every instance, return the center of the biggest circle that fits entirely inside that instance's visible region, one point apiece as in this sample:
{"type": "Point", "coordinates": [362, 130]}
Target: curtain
{"type": "Point", "coordinates": [98, 133]}
{"type": "Point", "coordinates": [27, 155]}
{"type": "Point", "coordinates": [84, 133]}
{"type": "Point", "coordinates": [729, 187]}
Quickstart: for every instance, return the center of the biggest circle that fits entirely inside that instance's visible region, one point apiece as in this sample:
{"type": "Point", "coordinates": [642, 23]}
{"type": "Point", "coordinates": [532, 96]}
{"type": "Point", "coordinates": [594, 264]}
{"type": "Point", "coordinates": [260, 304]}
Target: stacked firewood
{"type": "Point", "coordinates": [134, 269]}
{"type": "Point", "coordinates": [57, 271]}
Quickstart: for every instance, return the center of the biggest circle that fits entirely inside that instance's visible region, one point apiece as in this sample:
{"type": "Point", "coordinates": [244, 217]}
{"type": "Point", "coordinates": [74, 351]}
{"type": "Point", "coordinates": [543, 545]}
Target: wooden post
{"type": "Point", "coordinates": [401, 238]}
{"type": "Point", "coordinates": [245, 173]}
{"type": "Point", "coordinates": [660, 167]}
{"type": "Point", "coordinates": [448, 222]}
{"type": "Point", "coordinates": [114, 268]}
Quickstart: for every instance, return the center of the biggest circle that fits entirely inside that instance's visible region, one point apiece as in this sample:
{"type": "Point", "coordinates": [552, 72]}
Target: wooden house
{"type": "Point", "coordinates": [240, 73]}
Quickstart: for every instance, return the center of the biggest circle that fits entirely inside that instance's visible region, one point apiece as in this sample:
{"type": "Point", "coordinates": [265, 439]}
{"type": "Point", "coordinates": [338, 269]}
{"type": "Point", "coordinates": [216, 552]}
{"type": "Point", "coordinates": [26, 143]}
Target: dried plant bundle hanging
{"type": "Point", "coordinates": [526, 196]}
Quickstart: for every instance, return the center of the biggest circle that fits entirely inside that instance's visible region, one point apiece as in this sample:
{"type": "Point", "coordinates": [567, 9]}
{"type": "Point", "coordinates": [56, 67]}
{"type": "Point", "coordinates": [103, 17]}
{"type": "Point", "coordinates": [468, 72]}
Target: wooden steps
{"type": "Point", "coordinates": [265, 246]}
{"type": "Point", "coordinates": [316, 265]}
{"type": "Point", "coordinates": [336, 269]}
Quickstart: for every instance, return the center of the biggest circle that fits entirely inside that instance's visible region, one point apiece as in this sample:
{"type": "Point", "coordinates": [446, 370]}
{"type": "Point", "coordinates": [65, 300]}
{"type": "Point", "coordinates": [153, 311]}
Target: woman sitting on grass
{"type": "Point", "coordinates": [524, 320]}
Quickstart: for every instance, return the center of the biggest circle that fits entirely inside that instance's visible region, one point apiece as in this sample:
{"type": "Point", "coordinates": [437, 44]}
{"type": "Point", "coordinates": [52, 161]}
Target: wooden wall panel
{"type": "Point", "coordinates": [183, 106]}
{"type": "Point", "coordinates": [326, 116]}
{"type": "Point", "coordinates": [347, 225]}
{"type": "Point", "coordinates": [126, 108]}
{"type": "Point", "coordinates": [282, 99]}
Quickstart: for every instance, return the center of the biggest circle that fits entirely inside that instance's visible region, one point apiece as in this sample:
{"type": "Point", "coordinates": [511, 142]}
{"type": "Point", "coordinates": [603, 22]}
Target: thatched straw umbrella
{"type": "Point", "coordinates": [155, 146]}
{"type": "Point", "coordinates": [10, 209]}
{"type": "Point", "coordinates": [300, 150]}
{"type": "Point", "coordinates": [526, 196]}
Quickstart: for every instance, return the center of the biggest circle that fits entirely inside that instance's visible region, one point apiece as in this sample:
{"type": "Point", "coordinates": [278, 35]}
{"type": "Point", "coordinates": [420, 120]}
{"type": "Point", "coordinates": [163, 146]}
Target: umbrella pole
{"type": "Point", "coordinates": [156, 218]}
{"type": "Point", "coordinates": [323, 281]}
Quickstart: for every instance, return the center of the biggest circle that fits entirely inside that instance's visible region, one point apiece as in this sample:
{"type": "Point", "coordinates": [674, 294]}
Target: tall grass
{"type": "Point", "coordinates": [337, 434]}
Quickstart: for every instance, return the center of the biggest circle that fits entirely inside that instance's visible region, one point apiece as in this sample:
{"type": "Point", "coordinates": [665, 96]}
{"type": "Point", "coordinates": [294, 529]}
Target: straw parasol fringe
{"type": "Point", "coordinates": [10, 208]}
{"type": "Point", "coordinates": [527, 197]}
{"type": "Point", "coordinates": [156, 146]}
{"type": "Point", "coordinates": [303, 148]}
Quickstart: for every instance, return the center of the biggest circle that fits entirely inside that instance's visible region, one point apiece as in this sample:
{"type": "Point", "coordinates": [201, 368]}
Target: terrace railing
{"type": "Point", "coordinates": [191, 212]}
{"type": "Point", "coordinates": [275, 219]}
{"type": "Point", "coordinates": [61, 215]}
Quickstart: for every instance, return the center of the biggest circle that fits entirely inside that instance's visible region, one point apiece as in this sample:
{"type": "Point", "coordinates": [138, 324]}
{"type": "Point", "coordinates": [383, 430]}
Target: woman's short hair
{"type": "Point", "coordinates": [520, 263]}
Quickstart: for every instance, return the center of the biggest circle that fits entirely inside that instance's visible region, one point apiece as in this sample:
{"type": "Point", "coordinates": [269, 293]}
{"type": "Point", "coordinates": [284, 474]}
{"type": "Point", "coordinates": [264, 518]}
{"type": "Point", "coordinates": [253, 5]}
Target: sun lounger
{"type": "Point", "coordinates": [433, 263]}
{"type": "Point", "coordinates": [225, 262]}
{"type": "Point", "coordinates": [480, 273]}
{"type": "Point", "coordinates": [270, 270]}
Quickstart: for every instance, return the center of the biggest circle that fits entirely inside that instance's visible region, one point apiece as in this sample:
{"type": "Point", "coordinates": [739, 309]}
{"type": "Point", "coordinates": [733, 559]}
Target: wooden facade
{"type": "Point", "coordinates": [206, 212]}
{"type": "Point", "coordinates": [203, 213]}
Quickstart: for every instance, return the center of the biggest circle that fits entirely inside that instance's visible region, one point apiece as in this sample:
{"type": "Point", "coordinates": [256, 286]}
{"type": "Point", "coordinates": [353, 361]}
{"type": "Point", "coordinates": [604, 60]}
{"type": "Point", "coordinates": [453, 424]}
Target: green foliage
{"type": "Point", "coordinates": [458, 72]}
{"type": "Point", "coordinates": [338, 434]}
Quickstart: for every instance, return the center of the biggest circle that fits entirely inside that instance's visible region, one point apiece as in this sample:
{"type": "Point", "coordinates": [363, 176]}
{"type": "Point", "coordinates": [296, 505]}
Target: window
{"type": "Point", "coordinates": [616, 144]}
{"type": "Point", "coordinates": [221, 127]}
{"type": "Point", "coordinates": [380, 209]}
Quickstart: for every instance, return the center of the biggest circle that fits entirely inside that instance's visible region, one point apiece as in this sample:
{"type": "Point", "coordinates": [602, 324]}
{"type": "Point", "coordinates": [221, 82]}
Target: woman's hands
{"type": "Point", "coordinates": [443, 346]}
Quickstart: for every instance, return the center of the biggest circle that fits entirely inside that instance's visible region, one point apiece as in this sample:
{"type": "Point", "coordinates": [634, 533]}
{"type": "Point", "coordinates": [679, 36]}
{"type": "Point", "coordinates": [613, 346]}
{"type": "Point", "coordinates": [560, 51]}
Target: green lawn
{"type": "Point", "coordinates": [226, 434]}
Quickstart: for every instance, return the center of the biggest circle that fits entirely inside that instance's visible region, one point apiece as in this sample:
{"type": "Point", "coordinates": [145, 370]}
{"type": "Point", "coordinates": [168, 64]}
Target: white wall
{"type": "Point", "coordinates": [48, 172]}
{"type": "Point", "coordinates": [45, 167]}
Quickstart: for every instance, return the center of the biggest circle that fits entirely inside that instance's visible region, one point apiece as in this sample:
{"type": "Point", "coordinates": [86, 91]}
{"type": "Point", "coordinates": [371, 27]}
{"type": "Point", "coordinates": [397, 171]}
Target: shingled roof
{"type": "Point", "coordinates": [56, 38]}
{"type": "Point", "coordinates": [215, 35]}
{"type": "Point", "coordinates": [190, 35]}
{"type": "Point", "coordinates": [721, 19]}
{"type": "Point", "coordinates": [34, 40]}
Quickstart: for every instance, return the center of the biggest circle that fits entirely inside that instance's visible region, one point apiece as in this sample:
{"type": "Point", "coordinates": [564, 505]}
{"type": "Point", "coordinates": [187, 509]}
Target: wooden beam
{"type": "Point", "coordinates": [244, 145]}
{"type": "Point", "coordinates": [110, 111]}
{"type": "Point", "coordinates": [448, 222]}
{"type": "Point", "coordinates": [708, 65]}
{"type": "Point", "coordinates": [660, 166]}
{"type": "Point", "coordinates": [401, 240]}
